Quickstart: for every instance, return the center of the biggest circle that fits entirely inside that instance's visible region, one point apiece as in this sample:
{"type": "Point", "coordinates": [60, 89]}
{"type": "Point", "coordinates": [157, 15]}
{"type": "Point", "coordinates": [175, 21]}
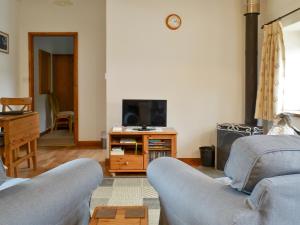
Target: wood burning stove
{"type": "Point", "coordinates": [227, 133]}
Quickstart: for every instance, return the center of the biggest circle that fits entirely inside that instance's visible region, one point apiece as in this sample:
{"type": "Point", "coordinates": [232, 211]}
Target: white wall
{"type": "Point", "coordinates": [88, 19]}
{"type": "Point", "coordinates": [53, 45]}
{"type": "Point", "coordinates": [9, 62]}
{"type": "Point", "coordinates": [276, 8]}
{"type": "Point", "coordinates": [199, 69]}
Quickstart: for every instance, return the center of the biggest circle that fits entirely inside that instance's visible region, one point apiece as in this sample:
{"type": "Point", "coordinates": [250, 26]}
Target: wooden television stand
{"type": "Point", "coordinates": [131, 151]}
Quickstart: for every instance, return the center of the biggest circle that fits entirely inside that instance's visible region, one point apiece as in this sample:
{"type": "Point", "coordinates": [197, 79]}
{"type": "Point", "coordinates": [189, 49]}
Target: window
{"type": "Point", "coordinates": [292, 75]}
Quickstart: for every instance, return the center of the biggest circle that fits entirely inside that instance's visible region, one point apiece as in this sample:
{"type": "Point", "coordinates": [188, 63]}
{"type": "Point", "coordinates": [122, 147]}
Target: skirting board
{"type": "Point", "coordinates": [89, 144]}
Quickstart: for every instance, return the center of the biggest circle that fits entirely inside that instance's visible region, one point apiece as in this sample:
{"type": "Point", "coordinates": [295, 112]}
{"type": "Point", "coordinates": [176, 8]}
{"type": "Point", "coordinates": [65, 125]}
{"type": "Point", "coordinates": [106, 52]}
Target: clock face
{"type": "Point", "coordinates": [173, 22]}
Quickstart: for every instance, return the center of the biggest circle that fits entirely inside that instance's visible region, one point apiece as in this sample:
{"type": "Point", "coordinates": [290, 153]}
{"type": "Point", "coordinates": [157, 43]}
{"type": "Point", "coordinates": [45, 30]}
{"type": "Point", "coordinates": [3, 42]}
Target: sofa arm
{"type": "Point", "coordinates": [189, 197]}
{"type": "Point", "coordinates": [59, 196]}
{"type": "Point", "coordinates": [278, 200]}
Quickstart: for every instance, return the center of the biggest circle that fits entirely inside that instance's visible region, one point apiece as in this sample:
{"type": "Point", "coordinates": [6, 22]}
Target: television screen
{"type": "Point", "coordinates": [144, 113]}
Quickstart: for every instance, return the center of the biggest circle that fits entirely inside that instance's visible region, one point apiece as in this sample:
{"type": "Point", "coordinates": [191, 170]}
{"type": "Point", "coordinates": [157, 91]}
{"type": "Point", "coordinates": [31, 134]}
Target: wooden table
{"type": "Point", "coordinates": [120, 216]}
{"type": "Point", "coordinates": [19, 130]}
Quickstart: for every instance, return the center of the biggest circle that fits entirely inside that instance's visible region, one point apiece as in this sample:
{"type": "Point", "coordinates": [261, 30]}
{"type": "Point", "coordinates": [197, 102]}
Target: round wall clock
{"type": "Point", "coordinates": [173, 21]}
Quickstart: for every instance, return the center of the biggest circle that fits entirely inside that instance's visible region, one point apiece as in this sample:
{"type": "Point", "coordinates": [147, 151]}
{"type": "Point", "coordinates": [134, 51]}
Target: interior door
{"type": "Point", "coordinates": [44, 72]}
{"type": "Point", "coordinates": [63, 81]}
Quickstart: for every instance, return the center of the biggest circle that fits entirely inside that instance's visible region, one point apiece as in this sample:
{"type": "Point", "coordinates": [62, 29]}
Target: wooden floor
{"type": "Point", "coordinates": [51, 157]}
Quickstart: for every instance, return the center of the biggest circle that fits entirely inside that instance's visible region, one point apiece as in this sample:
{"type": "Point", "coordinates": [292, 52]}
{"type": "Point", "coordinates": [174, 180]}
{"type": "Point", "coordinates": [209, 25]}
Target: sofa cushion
{"type": "Point", "coordinates": [254, 158]}
{"type": "Point", "coordinates": [3, 177]}
{"type": "Point", "coordinates": [277, 200]}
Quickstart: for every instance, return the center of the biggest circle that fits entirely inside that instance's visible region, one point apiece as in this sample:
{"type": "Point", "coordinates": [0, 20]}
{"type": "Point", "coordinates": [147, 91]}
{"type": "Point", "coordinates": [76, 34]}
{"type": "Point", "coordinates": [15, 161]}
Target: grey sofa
{"type": "Point", "coordinates": [264, 188]}
{"type": "Point", "coordinates": [60, 196]}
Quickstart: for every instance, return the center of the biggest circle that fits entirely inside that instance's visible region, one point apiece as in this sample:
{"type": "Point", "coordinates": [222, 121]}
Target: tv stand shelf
{"type": "Point", "coordinates": [132, 151]}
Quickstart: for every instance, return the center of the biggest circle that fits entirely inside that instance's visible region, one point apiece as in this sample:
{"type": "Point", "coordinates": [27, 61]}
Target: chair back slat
{"type": "Point", "coordinates": [7, 103]}
{"type": "Point", "coordinates": [54, 104]}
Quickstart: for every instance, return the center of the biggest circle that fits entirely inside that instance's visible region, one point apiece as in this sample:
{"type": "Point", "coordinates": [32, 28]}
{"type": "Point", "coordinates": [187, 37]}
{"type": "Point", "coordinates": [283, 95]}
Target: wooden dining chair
{"type": "Point", "coordinates": [60, 117]}
{"type": "Point", "coordinates": [16, 104]}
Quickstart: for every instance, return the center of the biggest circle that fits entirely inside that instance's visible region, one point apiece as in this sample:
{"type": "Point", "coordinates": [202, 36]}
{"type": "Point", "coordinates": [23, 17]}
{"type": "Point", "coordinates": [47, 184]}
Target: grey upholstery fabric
{"type": "Point", "coordinates": [278, 200]}
{"type": "Point", "coordinates": [3, 177]}
{"type": "Point", "coordinates": [189, 197]}
{"type": "Point", "coordinates": [12, 182]}
{"type": "Point", "coordinates": [254, 158]}
{"type": "Point", "coordinates": [58, 197]}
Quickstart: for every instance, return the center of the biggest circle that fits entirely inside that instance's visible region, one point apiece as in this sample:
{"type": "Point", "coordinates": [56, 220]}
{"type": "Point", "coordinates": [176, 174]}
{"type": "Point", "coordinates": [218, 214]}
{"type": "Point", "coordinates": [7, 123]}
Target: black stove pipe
{"type": "Point", "coordinates": [251, 71]}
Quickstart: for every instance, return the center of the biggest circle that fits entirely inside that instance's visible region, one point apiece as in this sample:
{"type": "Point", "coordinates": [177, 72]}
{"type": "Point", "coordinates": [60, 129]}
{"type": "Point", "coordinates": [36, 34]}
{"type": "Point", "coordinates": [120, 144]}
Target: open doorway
{"type": "Point", "coordinates": [53, 85]}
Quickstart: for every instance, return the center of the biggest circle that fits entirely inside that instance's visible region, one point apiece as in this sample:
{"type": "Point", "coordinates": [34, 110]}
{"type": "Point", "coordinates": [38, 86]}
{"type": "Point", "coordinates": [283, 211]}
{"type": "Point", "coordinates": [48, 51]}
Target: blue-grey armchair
{"type": "Point", "coordinates": [264, 188]}
{"type": "Point", "coordinates": [60, 196]}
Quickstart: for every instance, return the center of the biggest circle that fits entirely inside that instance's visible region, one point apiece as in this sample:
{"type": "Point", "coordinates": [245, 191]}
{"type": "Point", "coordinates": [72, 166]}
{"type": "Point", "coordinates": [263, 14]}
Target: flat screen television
{"type": "Point", "coordinates": [144, 113]}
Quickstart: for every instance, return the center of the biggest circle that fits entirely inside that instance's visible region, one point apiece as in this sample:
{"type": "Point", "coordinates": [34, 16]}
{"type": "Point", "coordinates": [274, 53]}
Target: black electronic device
{"type": "Point", "coordinates": [143, 113]}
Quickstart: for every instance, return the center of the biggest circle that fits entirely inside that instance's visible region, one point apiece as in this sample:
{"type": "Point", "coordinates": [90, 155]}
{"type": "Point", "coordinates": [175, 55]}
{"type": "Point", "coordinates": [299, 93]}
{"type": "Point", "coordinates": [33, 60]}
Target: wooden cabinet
{"type": "Point", "coordinates": [131, 151]}
{"type": "Point", "coordinates": [127, 162]}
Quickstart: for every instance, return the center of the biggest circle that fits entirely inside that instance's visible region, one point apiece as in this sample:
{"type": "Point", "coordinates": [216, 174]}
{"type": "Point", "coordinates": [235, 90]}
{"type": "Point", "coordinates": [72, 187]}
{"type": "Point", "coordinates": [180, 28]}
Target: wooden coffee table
{"type": "Point", "coordinates": [124, 215]}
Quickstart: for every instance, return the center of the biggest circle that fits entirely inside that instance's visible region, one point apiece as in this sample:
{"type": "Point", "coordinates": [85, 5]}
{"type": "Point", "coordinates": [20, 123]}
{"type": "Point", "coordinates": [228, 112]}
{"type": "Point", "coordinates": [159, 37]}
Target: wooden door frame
{"type": "Point", "coordinates": [31, 36]}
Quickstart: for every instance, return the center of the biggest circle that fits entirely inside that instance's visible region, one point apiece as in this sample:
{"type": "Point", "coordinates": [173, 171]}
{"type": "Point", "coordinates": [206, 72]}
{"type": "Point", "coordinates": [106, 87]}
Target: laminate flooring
{"type": "Point", "coordinates": [51, 157]}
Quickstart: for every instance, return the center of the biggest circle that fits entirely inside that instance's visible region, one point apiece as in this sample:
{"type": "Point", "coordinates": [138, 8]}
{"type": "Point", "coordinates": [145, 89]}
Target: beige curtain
{"type": "Point", "coordinates": [270, 92]}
